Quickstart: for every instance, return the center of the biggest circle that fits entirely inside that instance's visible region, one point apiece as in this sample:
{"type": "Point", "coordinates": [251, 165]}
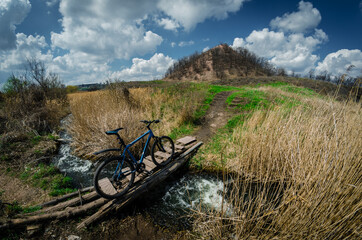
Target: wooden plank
{"type": "Point", "coordinates": [186, 140]}
{"type": "Point", "coordinates": [163, 155]}
{"type": "Point", "coordinates": [106, 186]}
{"type": "Point", "coordinates": [149, 164]}
{"type": "Point", "coordinates": [179, 147]}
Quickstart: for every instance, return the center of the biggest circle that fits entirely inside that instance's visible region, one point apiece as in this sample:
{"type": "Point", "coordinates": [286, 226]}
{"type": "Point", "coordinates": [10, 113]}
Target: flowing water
{"type": "Point", "coordinates": [170, 205]}
{"type": "Point", "coordinates": [80, 170]}
{"type": "Point", "coordinates": [167, 204]}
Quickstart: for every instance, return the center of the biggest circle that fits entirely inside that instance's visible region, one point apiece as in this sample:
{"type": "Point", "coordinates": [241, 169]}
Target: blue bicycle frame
{"type": "Point", "coordinates": [126, 150]}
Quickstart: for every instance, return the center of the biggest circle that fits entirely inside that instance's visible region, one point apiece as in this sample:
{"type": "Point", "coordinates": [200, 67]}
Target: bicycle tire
{"type": "Point", "coordinates": [106, 174]}
{"type": "Point", "coordinates": [162, 151]}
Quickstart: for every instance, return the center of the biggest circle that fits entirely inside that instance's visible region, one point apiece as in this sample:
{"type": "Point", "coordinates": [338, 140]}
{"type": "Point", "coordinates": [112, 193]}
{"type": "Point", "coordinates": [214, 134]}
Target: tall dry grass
{"type": "Point", "coordinates": [299, 175]}
{"type": "Point", "coordinates": [97, 112]}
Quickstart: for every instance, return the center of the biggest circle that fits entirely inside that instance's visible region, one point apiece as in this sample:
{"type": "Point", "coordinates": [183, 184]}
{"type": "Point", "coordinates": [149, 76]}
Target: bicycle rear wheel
{"type": "Point", "coordinates": [112, 179]}
{"type": "Point", "coordinates": [162, 151]}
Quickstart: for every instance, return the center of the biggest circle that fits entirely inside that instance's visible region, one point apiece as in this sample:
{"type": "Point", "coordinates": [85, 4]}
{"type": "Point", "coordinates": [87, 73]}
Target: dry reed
{"type": "Point", "coordinates": [298, 175]}
{"type": "Point", "coordinates": [97, 112]}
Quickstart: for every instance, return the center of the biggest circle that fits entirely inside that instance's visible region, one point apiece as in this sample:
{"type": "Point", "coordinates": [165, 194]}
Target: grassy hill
{"type": "Point", "coordinates": [220, 62]}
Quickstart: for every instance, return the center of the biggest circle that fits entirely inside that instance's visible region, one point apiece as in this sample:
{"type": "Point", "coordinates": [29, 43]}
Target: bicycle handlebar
{"type": "Point", "coordinates": [149, 122]}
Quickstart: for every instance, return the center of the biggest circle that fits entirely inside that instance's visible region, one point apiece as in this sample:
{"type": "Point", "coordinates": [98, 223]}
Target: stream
{"type": "Point", "coordinates": [80, 170]}
{"type": "Point", "coordinates": [169, 204]}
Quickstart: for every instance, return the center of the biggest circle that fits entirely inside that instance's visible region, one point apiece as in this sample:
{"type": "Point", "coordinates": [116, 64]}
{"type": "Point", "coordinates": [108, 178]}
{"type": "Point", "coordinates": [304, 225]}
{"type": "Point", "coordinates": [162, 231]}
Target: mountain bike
{"type": "Point", "coordinates": [115, 175]}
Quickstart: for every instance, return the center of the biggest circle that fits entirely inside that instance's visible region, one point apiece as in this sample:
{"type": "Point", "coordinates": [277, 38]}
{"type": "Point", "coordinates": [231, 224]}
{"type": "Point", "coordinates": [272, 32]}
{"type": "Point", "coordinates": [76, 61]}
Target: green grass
{"type": "Point", "coordinates": [15, 208]}
{"type": "Point", "coordinates": [253, 99]}
{"type": "Point", "coordinates": [287, 87]}
{"type": "Point", "coordinates": [48, 178]}
{"type": "Point", "coordinates": [183, 130]}
{"type": "Point", "coordinates": [212, 91]}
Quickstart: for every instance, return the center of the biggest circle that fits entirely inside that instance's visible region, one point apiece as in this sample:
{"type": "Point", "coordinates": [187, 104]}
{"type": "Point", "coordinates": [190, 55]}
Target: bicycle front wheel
{"type": "Point", "coordinates": [162, 151]}
{"type": "Point", "coordinates": [114, 177]}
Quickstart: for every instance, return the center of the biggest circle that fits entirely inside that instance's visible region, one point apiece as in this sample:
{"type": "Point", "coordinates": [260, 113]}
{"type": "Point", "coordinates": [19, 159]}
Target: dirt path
{"type": "Point", "coordinates": [216, 117]}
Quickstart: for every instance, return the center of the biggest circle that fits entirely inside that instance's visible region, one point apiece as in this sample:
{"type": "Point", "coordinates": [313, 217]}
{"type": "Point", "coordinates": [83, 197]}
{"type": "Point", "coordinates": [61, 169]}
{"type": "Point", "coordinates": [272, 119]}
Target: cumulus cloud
{"type": "Point", "coordinates": [293, 52]}
{"type": "Point", "coordinates": [306, 18]}
{"type": "Point", "coordinates": [27, 47]}
{"type": "Point", "coordinates": [107, 29]}
{"type": "Point", "coordinates": [143, 69]}
{"type": "Point", "coordinates": [11, 14]}
{"type": "Point", "coordinates": [289, 46]}
{"type": "Point", "coordinates": [338, 62]}
{"type": "Point", "coordinates": [168, 24]}
{"type": "Point", "coordinates": [189, 13]}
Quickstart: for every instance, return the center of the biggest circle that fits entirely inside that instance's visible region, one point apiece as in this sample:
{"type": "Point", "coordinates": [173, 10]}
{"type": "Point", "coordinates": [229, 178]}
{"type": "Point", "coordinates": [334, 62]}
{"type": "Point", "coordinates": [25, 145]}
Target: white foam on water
{"type": "Point", "coordinates": [197, 192]}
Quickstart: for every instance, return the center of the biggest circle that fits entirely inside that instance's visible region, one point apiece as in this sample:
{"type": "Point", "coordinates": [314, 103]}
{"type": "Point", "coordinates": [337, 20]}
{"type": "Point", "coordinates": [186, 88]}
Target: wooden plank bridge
{"type": "Point", "coordinates": [83, 200]}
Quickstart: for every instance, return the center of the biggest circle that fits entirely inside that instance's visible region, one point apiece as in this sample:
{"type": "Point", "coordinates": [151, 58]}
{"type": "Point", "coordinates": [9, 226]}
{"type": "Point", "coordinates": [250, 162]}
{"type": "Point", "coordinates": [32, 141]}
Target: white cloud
{"type": "Point", "coordinates": [189, 13]}
{"type": "Point", "coordinates": [290, 46]}
{"type": "Point", "coordinates": [294, 52]}
{"type": "Point", "coordinates": [107, 29]}
{"type": "Point", "coordinates": [173, 44]}
{"type": "Point", "coordinates": [184, 44]}
{"type": "Point", "coordinates": [11, 14]}
{"type": "Point", "coordinates": [338, 62]}
{"type": "Point", "coordinates": [306, 18]}
{"type": "Point", "coordinates": [168, 24]}
{"type": "Point", "coordinates": [27, 47]}
{"type": "Point", "coordinates": [206, 49]}
{"type": "Point", "coordinates": [142, 69]}
{"type": "Point", "coordinates": [51, 3]}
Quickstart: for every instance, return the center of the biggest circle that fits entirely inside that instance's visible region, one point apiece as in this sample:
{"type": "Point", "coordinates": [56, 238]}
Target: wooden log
{"type": "Point", "coordinates": [65, 197]}
{"type": "Point", "coordinates": [68, 212]}
{"type": "Point", "coordinates": [141, 188]}
{"type": "Point", "coordinates": [72, 202]}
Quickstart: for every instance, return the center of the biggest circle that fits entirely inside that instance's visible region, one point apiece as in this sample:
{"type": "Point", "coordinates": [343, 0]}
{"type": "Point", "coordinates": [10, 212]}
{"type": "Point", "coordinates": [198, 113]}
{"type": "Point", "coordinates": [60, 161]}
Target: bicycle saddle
{"type": "Point", "coordinates": [114, 132]}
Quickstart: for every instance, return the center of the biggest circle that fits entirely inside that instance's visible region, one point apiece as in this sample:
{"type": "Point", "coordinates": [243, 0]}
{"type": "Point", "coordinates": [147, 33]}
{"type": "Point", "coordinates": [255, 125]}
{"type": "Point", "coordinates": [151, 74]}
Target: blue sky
{"type": "Point", "coordinates": [87, 41]}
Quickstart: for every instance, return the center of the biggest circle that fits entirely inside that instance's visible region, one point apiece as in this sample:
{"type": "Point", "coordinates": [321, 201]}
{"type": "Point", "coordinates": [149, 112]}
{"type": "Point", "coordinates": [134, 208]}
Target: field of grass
{"type": "Point", "coordinates": [294, 159]}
